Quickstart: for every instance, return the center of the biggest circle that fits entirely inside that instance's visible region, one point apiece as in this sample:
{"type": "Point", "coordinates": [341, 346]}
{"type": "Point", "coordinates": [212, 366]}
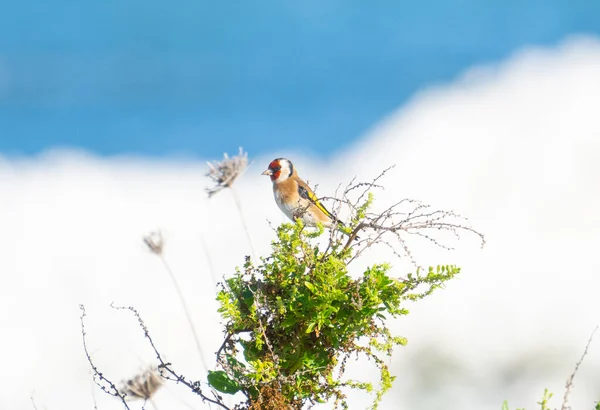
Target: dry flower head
{"type": "Point", "coordinates": [143, 385]}
{"type": "Point", "coordinates": [225, 172]}
{"type": "Point", "coordinates": [155, 242]}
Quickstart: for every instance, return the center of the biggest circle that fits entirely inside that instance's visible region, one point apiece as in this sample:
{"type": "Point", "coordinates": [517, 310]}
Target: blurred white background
{"type": "Point", "coordinates": [514, 146]}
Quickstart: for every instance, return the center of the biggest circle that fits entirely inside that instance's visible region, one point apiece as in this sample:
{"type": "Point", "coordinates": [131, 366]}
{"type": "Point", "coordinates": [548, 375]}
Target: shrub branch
{"type": "Point", "coordinates": [569, 385]}
{"type": "Point", "coordinates": [98, 377]}
{"type": "Point", "coordinates": [165, 368]}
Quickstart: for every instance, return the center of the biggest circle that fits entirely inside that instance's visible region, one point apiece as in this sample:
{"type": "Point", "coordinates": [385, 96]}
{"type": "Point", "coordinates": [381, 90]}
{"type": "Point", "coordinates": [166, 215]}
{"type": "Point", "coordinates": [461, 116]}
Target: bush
{"type": "Point", "coordinates": [294, 320]}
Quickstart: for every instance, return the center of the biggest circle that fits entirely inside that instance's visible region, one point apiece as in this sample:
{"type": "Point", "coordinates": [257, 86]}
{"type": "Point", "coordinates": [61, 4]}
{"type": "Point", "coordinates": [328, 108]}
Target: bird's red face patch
{"type": "Point", "coordinates": [275, 166]}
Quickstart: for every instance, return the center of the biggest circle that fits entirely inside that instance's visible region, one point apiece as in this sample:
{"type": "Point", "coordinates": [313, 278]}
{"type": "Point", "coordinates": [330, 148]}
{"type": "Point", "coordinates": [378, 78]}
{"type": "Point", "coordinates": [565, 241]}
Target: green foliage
{"type": "Point", "coordinates": [221, 382]}
{"type": "Point", "coordinates": [505, 406]}
{"type": "Point", "coordinates": [543, 402]}
{"type": "Point", "coordinates": [545, 398]}
{"type": "Point", "coordinates": [294, 320]}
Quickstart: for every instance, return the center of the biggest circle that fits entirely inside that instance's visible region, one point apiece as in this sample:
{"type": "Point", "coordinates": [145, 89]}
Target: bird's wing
{"type": "Point", "coordinates": [305, 192]}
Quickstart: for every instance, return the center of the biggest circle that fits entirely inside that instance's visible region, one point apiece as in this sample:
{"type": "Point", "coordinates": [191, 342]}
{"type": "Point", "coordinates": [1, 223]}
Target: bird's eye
{"type": "Point", "coordinates": [277, 168]}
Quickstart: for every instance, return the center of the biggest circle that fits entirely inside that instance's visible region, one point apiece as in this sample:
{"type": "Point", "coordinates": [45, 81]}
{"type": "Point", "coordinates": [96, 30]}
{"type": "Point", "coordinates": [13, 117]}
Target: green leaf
{"type": "Point", "coordinates": [505, 405]}
{"type": "Point", "coordinates": [221, 382]}
{"type": "Point", "coordinates": [309, 286]}
{"type": "Point", "coordinates": [289, 321]}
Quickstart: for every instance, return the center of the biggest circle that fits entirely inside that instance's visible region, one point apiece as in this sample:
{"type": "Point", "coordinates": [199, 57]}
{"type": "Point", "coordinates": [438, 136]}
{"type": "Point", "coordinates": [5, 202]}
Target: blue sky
{"type": "Point", "coordinates": [195, 78]}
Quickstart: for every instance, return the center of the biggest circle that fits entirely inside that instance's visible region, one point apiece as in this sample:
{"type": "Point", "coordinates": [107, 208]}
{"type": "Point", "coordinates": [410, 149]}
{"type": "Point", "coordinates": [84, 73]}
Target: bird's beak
{"type": "Point", "coordinates": [267, 172]}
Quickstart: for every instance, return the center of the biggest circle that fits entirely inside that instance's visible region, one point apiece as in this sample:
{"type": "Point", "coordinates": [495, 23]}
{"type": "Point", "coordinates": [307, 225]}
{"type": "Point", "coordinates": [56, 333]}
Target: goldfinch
{"type": "Point", "coordinates": [295, 198]}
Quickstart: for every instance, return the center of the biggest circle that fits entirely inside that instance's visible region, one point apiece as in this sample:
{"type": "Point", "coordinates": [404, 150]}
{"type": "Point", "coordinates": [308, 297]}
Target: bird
{"type": "Point", "coordinates": [295, 198]}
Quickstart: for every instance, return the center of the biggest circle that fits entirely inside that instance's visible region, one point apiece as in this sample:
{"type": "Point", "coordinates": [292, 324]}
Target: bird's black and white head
{"type": "Point", "coordinates": [279, 170]}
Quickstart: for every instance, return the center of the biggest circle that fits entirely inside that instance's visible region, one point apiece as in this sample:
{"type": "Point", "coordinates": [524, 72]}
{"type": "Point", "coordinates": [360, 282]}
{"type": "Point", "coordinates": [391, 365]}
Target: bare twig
{"type": "Point", "coordinates": [400, 221]}
{"type": "Point", "coordinates": [225, 341]}
{"type": "Point", "coordinates": [165, 367]}
{"type": "Point", "coordinates": [101, 381]}
{"type": "Point", "coordinates": [569, 384]}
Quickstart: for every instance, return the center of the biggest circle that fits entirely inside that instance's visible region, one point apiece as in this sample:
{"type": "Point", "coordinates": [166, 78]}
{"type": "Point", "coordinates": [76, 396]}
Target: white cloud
{"type": "Point", "coordinates": [515, 147]}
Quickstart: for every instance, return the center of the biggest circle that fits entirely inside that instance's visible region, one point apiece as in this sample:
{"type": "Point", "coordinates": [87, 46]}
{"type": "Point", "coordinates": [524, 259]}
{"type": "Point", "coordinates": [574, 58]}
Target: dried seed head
{"type": "Point", "coordinates": [143, 385]}
{"type": "Point", "coordinates": [225, 172]}
{"type": "Point", "coordinates": [154, 241]}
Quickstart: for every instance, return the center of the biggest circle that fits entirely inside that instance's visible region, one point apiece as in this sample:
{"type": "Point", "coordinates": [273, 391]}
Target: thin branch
{"type": "Point", "coordinates": [394, 225]}
{"type": "Point", "coordinates": [172, 375]}
{"type": "Point", "coordinates": [569, 384]}
{"type": "Point", "coordinates": [367, 185]}
{"type": "Point", "coordinates": [225, 341]}
{"type": "Point", "coordinates": [101, 381]}
{"type": "Point", "coordinates": [418, 221]}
